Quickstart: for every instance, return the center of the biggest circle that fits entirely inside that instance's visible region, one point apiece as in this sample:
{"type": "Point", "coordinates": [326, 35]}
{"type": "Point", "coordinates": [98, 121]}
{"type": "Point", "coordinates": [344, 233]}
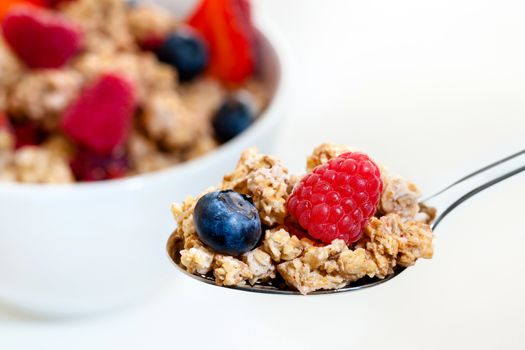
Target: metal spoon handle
{"type": "Point", "coordinates": [453, 195]}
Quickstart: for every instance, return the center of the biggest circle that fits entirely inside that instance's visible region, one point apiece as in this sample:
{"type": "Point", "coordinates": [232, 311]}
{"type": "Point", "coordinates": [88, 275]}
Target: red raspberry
{"type": "Point", "coordinates": [40, 37]}
{"type": "Point", "coordinates": [228, 29]}
{"type": "Point", "coordinates": [101, 116]}
{"type": "Point", "coordinates": [338, 198]}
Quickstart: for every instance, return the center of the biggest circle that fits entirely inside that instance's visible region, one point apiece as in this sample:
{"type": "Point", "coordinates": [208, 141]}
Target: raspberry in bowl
{"type": "Point", "coordinates": [345, 221]}
{"type": "Point", "coordinates": [124, 103]}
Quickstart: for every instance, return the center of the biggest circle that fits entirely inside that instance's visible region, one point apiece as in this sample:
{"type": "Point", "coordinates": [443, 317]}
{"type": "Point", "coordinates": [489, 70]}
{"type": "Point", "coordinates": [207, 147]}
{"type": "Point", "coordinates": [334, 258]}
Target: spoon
{"type": "Point", "coordinates": [445, 201]}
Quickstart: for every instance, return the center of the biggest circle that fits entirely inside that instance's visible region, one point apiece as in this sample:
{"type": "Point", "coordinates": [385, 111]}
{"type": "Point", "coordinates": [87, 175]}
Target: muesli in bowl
{"type": "Point", "coordinates": [345, 220]}
{"type": "Point", "coordinates": [104, 89]}
{"type": "Point", "coordinates": [91, 246]}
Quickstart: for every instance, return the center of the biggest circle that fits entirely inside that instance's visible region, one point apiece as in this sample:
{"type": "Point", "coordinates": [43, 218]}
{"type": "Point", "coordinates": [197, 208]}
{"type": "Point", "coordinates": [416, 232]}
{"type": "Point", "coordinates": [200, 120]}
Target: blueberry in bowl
{"type": "Point", "coordinates": [186, 51]}
{"type": "Point", "coordinates": [232, 118]}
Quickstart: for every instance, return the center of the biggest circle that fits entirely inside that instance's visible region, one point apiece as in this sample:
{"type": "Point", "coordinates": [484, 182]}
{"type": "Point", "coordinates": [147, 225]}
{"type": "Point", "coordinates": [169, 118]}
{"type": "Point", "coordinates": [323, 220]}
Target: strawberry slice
{"type": "Point", "coordinates": [101, 116]}
{"type": "Point", "coordinates": [246, 8]}
{"type": "Point", "coordinates": [227, 27]}
{"type": "Point", "coordinates": [40, 37]}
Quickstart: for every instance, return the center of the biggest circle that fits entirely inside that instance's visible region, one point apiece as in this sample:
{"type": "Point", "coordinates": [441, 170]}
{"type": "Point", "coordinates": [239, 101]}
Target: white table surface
{"type": "Point", "coordinates": [430, 88]}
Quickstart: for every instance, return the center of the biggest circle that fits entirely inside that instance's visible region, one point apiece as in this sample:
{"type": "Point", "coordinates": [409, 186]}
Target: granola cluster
{"type": "Point", "coordinates": [7, 145]}
{"type": "Point", "coordinates": [172, 122]}
{"type": "Point", "coordinates": [42, 96]}
{"type": "Point", "coordinates": [398, 235]}
{"type": "Point", "coordinates": [266, 181]}
{"type": "Point", "coordinates": [11, 70]}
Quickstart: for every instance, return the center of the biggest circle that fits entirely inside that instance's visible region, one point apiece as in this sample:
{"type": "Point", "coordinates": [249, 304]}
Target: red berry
{"type": "Point", "coordinates": [152, 43]}
{"type": "Point", "coordinates": [101, 116]}
{"type": "Point", "coordinates": [54, 3]}
{"type": "Point", "coordinates": [90, 166]}
{"type": "Point", "coordinates": [40, 37]}
{"type": "Point", "coordinates": [338, 198]}
{"type": "Point", "coordinates": [28, 134]}
{"type": "Point", "coordinates": [228, 29]}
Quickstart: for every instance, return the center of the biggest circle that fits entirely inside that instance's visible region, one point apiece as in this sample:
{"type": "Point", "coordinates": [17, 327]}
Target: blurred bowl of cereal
{"type": "Point", "coordinates": [83, 221]}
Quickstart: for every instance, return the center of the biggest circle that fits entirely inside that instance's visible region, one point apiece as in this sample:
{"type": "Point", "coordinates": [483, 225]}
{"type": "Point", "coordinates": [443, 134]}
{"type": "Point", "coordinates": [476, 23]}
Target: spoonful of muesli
{"type": "Point", "coordinates": [346, 225]}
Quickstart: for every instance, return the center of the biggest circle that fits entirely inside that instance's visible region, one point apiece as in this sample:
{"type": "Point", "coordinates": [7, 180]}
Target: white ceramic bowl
{"type": "Point", "coordinates": [73, 249]}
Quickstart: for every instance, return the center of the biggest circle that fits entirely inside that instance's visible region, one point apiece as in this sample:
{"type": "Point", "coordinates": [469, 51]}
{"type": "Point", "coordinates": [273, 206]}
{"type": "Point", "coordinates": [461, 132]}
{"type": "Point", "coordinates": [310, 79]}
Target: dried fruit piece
{"type": "Point", "coordinates": [28, 134]}
{"type": "Point", "coordinates": [101, 116]}
{"type": "Point", "coordinates": [39, 37]}
{"type": "Point", "coordinates": [90, 166]}
{"type": "Point", "coordinates": [151, 43]}
{"type": "Point", "coordinates": [53, 3]}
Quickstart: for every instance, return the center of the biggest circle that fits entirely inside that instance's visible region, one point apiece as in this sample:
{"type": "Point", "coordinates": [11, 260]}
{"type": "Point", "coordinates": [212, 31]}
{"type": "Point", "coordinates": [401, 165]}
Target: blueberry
{"type": "Point", "coordinates": [233, 117]}
{"type": "Point", "coordinates": [186, 51]}
{"type": "Point", "coordinates": [227, 222]}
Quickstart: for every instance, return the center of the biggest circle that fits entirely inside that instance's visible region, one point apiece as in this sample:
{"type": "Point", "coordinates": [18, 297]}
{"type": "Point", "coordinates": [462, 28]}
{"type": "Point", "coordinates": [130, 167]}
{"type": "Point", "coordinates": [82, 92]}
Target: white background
{"type": "Point", "coordinates": [431, 88]}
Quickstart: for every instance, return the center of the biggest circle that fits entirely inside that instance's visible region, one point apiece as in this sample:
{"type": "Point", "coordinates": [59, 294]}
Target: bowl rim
{"type": "Point", "coordinates": [269, 116]}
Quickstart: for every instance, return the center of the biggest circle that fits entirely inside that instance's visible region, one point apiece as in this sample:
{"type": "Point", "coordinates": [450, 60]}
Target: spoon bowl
{"type": "Point", "coordinates": [276, 286]}
{"type": "Point", "coordinates": [445, 201]}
